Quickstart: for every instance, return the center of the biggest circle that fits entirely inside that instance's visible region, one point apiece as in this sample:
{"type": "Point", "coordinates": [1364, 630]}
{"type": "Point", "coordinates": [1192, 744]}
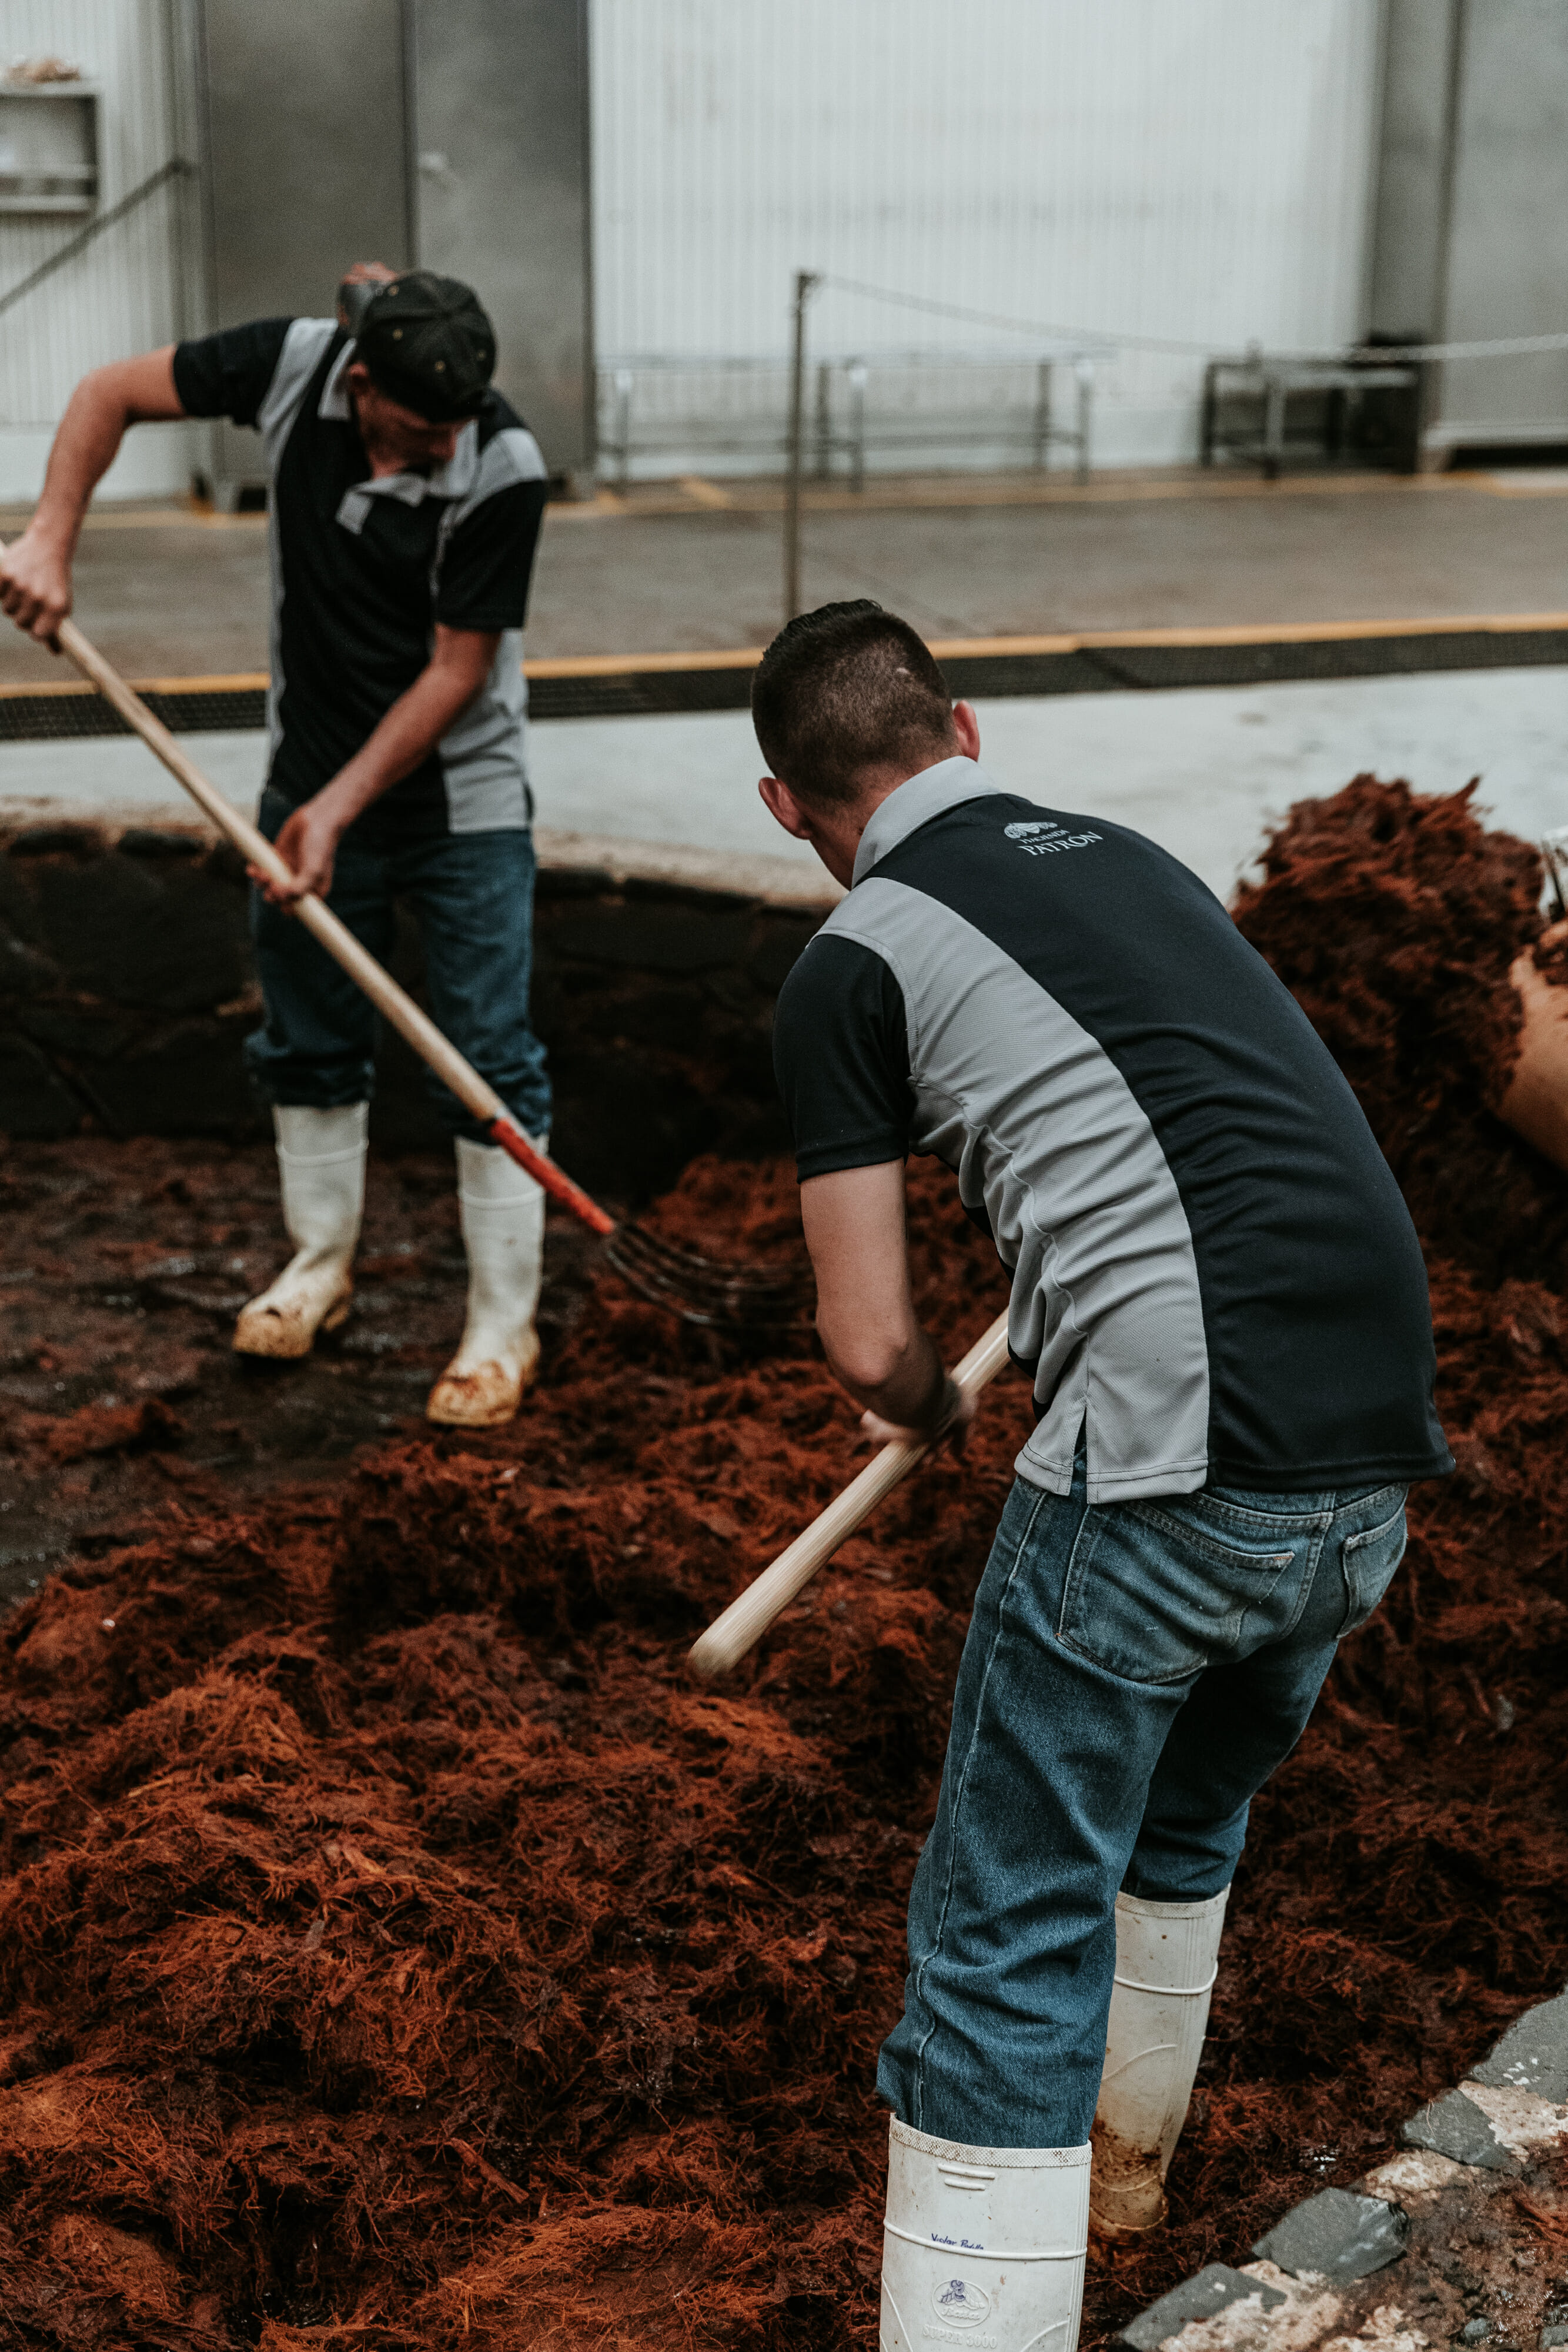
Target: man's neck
{"type": "Point", "coordinates": [836, 832]}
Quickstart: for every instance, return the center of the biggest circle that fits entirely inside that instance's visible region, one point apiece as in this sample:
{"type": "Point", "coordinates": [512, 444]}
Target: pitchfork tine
{"type": "Point", "coordinates": [702, 1290]}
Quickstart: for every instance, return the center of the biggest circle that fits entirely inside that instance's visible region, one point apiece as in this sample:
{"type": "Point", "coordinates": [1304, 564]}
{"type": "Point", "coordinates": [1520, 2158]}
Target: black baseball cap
{"type": "Point", "coordinates": [428, 345]}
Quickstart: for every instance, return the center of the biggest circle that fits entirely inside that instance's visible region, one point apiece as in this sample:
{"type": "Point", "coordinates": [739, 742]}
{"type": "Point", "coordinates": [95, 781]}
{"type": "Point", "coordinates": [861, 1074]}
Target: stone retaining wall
{"type": "Point", "coordinates": [126, 989]}
{"type": "Point", "coordinates": [1458, 2242]}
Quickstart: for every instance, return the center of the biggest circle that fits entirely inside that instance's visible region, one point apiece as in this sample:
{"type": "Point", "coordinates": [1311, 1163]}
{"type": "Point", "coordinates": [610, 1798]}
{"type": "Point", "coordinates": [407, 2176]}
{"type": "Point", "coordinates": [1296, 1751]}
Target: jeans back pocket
{"type": "Point", "coordinates": [1154, 1596]}
{"type": "Point", "coordinates": [1368, 1561]}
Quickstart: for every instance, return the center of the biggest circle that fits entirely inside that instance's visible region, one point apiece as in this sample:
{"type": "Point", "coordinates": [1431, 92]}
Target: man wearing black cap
{"type": "Point", "coordinates": [407, 497]}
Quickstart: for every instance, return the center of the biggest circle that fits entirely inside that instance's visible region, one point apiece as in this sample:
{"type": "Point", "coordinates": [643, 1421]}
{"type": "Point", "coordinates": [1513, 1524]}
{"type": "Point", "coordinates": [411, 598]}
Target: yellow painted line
{"type": "Point", "coordinates": [705, 493]}
{"type": "Point", "coordinates": [630, 665]}
{"type": "Point", "coordinates": [245, 681]}
{"type": "Point", "coordinates": [1082, 641]}
{"type": "Point", "coordinates": [1244, 634]}
{"type": "Point", "coordinates": [238, 681]}
{"type": "Point", "coordinates": [180, 519]}
{"type": "Point", "coordinates": [1298, 633]}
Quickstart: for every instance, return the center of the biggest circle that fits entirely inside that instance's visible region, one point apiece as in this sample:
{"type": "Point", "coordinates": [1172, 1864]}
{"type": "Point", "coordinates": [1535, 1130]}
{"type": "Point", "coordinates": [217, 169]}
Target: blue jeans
{"type": "Point", "coordinates": [474, 894]}
{"type": "Point", "coordinates": [1133, 1674]}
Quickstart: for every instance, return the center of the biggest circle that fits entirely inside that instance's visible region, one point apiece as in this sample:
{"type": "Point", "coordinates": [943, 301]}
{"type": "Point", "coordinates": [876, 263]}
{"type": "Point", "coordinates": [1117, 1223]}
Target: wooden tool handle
{"type": "Point", "coordinates": [390, 1002]}
{"type": "Point", "coordinates": [748, 1616]}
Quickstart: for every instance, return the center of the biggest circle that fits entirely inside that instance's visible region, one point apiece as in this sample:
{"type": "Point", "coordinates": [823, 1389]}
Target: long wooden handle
{"type": "Point", "coordinates": [390, 1002]}
{"type": "Point", "coordinates": [748, 1616]}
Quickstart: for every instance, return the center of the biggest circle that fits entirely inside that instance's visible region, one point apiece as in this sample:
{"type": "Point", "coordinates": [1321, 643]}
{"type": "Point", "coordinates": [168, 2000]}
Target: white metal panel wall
{"type": "Point", "coordinates": [119, 296]}
{"type": "Point", "coordinates": [1194, 169]}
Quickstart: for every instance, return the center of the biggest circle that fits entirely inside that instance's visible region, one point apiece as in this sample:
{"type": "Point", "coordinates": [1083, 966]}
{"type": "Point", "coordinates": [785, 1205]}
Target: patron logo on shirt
{"type": "Point", "coordinates": [1045, 840]}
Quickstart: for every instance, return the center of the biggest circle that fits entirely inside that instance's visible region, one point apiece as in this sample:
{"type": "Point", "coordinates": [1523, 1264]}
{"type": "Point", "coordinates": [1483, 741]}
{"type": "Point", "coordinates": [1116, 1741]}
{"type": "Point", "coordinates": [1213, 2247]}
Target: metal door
{"type": "Point", "coordinates": [1510, 199]}
{"type": "Point", "coordinates": [501, 102]}
{"type": "Point", "coordinates": [306, 155]}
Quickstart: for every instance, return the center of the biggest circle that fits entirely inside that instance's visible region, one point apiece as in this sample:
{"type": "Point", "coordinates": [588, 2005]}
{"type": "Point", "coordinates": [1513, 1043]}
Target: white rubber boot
{"type": "Point", "coordinates": [502, 1212]}
{"type": "Point", "coordinates": [1167, 1956]}
{"type": "Point", "coordinates": [988, 2240]}
{"type": "Point", "coordinates": [321, 1164]}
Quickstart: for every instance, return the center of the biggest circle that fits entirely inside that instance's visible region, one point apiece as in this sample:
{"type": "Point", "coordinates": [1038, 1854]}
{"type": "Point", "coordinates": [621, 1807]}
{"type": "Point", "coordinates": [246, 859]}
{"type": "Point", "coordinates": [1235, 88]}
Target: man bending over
{"type": "Point", "coordinates": [1220, 1299]}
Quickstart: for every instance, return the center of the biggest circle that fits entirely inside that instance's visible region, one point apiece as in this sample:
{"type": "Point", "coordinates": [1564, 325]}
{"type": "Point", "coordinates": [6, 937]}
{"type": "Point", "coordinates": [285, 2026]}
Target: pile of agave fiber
{"type": "Point", "coordinates": [398, 1949]}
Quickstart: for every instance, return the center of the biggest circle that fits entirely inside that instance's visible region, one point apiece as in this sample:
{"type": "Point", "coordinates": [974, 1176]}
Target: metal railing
{"type": "Point", "coordinates": [917, 404]}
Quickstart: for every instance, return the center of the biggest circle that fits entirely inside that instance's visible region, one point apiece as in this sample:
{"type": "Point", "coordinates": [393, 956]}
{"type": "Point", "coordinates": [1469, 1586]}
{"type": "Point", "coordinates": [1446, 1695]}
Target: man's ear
{"type": "Point", "coordinates": [783, 807]}
{"type": "Point", "coordinates": [966, 727]}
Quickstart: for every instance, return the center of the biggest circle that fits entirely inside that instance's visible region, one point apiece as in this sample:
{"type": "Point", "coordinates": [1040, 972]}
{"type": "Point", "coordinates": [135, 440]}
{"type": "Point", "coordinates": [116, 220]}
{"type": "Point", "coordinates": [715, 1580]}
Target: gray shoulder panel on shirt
{"type": "Point", "coordinates": [482, 751]}
{"type": "Point", "coordinates": [303, 347]}
{"type": "Point", "coordinates": [510, 457]}
{"type": "Point", "coordinates": [1044, 1130]}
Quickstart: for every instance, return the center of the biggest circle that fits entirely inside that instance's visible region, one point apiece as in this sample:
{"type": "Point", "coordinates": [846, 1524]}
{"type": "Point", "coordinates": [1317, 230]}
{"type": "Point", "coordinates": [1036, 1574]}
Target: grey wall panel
{"type": "Point", "coordinates": [306, 161]}
{"type": "Point", "coordinates": [1194, 169]}
{"type": "Point", "coordinates": [1409, 245]}
{"type": "Point", "coordinates": [1472, 195]}
{"type": "Point", "coordinates": [1506, 261]}
{"type": "Point", "coordinates": [501, 104]}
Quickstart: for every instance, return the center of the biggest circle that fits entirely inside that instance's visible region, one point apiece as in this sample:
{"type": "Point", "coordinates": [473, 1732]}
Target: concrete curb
{"type": "Point", "coordinates": [1436, 2247]}
{"type": "Point", "coordinates": [610, 860]}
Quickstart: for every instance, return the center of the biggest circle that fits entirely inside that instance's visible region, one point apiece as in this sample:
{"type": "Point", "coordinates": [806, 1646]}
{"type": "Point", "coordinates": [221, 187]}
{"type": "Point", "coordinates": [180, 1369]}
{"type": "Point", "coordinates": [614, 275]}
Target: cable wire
{"type": "Point", "coordinates": [1090, 340]}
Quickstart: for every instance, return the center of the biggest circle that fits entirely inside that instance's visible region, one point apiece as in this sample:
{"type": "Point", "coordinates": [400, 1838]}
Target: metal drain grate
{"type": "Point", "coordinates": [1085, 668]}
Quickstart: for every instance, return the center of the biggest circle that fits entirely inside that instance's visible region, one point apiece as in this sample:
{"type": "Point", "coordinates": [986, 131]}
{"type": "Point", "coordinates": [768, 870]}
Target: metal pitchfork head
{"type": "Point", "coordinates": [718, 1295]}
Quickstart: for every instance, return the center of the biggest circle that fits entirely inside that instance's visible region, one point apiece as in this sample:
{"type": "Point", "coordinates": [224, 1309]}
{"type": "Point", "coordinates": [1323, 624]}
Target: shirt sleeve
{"type": "Point", "coordinates": [841, 1052]}
{"type": "Point", "coordinates": [489, 561]}
{"type": "Point", "coordinates": [227, 375]}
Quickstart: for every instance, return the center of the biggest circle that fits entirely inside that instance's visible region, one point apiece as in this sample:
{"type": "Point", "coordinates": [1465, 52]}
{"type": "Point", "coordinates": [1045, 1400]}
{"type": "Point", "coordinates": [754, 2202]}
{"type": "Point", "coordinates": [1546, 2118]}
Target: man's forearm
{"type": "Point", "coordinates": [85, 446]}
{"type": "Point", "coordinates": [87, 441]}
{"type": "Point", "coordinates": [406, 736]}
{"type": "Point", "coordinates": [906, 1388]}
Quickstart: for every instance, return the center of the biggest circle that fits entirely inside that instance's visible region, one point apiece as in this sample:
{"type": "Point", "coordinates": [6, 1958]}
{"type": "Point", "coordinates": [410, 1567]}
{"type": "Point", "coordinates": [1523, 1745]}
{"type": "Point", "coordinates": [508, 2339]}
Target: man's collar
{"type": "Point", "coordinates": [915, 801]}
{"type": "Point", "coordinates": [453, 481]}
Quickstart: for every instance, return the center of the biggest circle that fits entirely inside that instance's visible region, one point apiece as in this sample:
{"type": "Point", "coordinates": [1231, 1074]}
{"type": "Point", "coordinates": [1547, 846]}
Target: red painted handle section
{"type": "Point", "coordinates": [556, 1181]}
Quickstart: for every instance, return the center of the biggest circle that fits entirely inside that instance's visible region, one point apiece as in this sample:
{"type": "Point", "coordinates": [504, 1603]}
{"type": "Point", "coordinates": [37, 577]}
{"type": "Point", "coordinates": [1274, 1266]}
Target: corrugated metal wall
{"type": "Point", "coordinates": [1196, 169]}
{"type": "Point", "coordinates": [121, 295]}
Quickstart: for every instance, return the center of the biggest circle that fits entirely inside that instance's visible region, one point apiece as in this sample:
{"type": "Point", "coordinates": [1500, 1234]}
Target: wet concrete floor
{"type": "Point", "coordinates": [169, 592]}
{"type": "Point", "coordinates": [121, 1403]}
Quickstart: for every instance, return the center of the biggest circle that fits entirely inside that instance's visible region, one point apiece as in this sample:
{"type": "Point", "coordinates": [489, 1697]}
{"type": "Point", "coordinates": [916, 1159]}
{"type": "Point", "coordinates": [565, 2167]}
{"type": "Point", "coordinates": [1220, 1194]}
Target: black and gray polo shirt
{"type": "Point", "coordinates": [362, 570]}
{"type": "Point", "coordinates": [1215, 1276]}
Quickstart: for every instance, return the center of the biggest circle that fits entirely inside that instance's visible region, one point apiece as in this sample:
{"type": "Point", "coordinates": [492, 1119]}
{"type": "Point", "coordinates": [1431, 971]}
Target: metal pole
{"type": "Point", "coordinates": [857, 424]}
{"type": "Point", "coordinates": [1041, 413]}
{"type": "Point", "coordinates": [804, 279]}
{"type": "Point", "coordinates": [824, 422]}
{"type": "Point", "coordinates": [624, 423]}
{"type": "Point", "coordinates": [1083, 370]}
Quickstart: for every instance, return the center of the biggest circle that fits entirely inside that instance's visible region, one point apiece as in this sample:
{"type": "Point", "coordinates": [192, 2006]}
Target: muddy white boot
{"type": "Point", "coordinates": [1166, 1958]}
{"type": "Point", "coordinates": [988, 2238]}
{"type": "Point", "coordinates": [502, 1212]}
{"type": "Point", "coordinates": [321, 1163]}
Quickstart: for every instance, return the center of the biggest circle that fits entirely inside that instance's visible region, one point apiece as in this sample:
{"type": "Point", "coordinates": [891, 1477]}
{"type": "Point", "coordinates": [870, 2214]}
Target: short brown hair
{"type": "Point", "coordinates": [848, 687]}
